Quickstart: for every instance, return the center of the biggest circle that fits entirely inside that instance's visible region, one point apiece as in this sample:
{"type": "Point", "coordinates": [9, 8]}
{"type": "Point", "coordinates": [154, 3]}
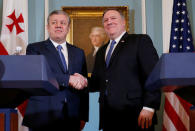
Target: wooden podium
{"type": "Point", "coordinates": [20, 78]}
{"type": "Point", "coordinates": [192, 119]}
{"type": "Point", "coordinates": [175, 73]}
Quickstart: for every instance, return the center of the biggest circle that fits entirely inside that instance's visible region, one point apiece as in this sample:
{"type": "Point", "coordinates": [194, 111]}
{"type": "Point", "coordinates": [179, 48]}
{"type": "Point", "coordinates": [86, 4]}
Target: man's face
{"type": "Point", "coordinates": [58, 28]}
{"type": "Point", "coordinates": [114, 24]}
{"type": "Point", "coordinates": [96, 38]}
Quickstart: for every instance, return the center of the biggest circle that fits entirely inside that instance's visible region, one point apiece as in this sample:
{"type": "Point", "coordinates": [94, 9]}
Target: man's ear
{"type": "Point", "coordinates": [47, 27]}
{"type": "Point", "coordinates": [124, 22]}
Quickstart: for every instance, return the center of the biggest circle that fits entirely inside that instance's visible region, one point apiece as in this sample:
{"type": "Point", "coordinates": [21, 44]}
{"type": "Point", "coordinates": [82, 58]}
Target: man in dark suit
{"type": "Point", "coordinates": [69, 107]}
{"type": "Point", "coordinates": [120, 72]}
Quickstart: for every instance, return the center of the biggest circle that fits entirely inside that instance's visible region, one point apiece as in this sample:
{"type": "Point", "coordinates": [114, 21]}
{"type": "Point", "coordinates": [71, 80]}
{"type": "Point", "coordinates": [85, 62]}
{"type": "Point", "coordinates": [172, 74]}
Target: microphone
{"type": "Point", "coordinates": [18, 50]}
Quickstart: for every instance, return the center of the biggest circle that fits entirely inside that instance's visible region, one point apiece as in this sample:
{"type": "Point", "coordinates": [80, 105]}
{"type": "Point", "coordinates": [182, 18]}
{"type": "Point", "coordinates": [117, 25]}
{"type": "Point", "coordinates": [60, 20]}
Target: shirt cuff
{"type": "Point", "coordinates": [148, 109]}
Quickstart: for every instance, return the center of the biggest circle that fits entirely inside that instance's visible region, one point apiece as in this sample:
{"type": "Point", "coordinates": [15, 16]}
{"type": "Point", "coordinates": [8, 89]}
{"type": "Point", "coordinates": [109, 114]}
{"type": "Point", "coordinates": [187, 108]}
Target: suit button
{"type": "Point", "coordinates": [106, 81]}
{"type": "Point", "coordinates": [65, 100]}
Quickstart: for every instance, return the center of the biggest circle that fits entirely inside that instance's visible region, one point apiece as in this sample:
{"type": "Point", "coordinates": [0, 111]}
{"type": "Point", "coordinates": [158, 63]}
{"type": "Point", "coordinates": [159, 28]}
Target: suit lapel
{"type": "Point", "coordinates": [104, 52]}
{"type": "Point", "coordinates": [119, 46]}
{"type": "Point", "coordinates": [70, 57]}
{"type": "Point", "coordinates": [53, 51]}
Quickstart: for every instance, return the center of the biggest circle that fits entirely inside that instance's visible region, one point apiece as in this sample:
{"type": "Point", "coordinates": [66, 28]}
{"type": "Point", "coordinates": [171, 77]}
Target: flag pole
{"type": "Point", "coordinates": [167, 6]}
{"type": "Point", "coordinates": [143, 16]}
{"type": "Point", "coordinates": [46, 15]}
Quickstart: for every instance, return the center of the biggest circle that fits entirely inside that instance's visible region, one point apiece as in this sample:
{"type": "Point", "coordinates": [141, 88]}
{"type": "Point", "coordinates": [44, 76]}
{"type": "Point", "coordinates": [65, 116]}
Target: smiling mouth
{"type": "Point", "coordinates": [111, 27]}
{"type": "Point", "coordinates": [58, 31]}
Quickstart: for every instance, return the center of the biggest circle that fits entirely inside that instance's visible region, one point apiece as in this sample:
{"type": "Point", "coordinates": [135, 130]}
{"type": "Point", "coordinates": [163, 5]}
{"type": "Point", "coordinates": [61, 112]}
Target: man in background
{"type": "Point", "coordinates": [68, 108]}
{"type": "Point", "coordinates": [97, 37]}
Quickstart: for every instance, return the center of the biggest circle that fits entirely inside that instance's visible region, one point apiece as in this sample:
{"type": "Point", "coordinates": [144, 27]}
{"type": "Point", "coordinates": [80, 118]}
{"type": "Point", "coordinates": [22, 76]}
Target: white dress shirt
{"type": "Point", "coordinates": [95, 50]}
{"type": "Point", "coordinates": [117, 41]}
{"type": "Point", "coordinates": [64, 50]}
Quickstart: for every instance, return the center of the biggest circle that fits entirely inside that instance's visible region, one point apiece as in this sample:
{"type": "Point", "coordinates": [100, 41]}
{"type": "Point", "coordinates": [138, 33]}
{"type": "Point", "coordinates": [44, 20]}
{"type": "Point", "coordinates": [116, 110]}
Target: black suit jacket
{"type": "Point", "coordinates": [123, 81]}
{"type": "Point", "coordinates": [43, 110]}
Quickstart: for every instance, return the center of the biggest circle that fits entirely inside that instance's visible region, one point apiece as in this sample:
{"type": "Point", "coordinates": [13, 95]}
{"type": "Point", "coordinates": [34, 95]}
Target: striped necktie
{"type": "Point", "coordinates": [59, 47]}
{"type": "Point", "coordinates": [110, 53]}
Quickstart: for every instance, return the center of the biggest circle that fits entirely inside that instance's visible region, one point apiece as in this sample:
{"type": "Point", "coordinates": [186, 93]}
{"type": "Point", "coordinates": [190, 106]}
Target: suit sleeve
{"type": "Point", "coordinates": [31, 50]}
{"type": "Point", "coordinates": [95, 79]}
{"type": "Point", "coordinates": [148, 58]}
{"type": "Point", "coordinates": [84, 106]}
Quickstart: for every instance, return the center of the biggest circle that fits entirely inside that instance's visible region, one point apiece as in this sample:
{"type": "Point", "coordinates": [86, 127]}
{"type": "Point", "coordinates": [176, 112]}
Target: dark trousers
{"type": "Point", "coordinates": [64, 124]}
{"type": "Point", "coordinates": [122, 120]}
{"type": "Point", "coordinates": [70, 125]}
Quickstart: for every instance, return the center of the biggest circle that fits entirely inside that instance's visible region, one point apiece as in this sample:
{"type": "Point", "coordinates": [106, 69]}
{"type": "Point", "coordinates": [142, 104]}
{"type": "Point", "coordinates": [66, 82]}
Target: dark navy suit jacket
{"type": "Point", "coordinates": [123, 81]}
{"type": "Point", "coordinates": [42, 110]}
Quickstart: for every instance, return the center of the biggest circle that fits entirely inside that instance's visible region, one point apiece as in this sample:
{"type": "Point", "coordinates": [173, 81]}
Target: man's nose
{"type": "Point", "coordinates": [58, 25]}
{"type": "Point", "coordinates": [109, 21]}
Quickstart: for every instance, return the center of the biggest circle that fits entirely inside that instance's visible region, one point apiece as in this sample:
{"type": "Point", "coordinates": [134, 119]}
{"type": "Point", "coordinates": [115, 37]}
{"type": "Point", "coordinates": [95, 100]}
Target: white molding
{"type": "Point", "coordinates": [46, 15]}
{"type": "Point", "coordinates": [167, 9]}
{"type": "Point", "coordinates": [143, 16]}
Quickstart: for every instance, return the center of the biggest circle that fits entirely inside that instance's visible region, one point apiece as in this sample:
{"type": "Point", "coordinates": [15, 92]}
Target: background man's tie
{"type": "Point", "coordinates": [110, 52]}
{"type": "Point", "coordinates": [59, 47]}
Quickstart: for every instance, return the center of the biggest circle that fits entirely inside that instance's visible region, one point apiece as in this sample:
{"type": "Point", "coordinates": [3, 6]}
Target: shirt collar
{"type": "Point", "coordinates": [118, 38]}
{"type": "Point", "coordinates": [96, 48]}
{"type": "Point", "coordinates": [56, 44]}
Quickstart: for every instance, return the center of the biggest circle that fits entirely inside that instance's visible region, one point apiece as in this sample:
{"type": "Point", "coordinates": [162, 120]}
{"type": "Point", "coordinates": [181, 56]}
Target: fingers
{"type": "Point", "coordinates": [77, 81]}
{"type": "Point", "coordinates": [145, 119]}
{"type": "Point", "coordinates": [142, 121]}
{"type": "Point", "coordinates": [147, 123]}
{"type": "Point", "coordinates": [139, 120]}
{"type": "Point", "coordinates": [83, 79]}
{"type": "Point", "coordinates": [150, 122]}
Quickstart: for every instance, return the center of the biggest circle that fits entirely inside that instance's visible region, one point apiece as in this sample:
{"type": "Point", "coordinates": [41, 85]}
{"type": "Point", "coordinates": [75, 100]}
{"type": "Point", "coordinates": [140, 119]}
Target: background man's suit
{"type": "Point", "coordinates": [90, 58]}
{"type": "Point", "coordinates": [121, 84]}
{"type": "Point", "coordinates": [67, 102]}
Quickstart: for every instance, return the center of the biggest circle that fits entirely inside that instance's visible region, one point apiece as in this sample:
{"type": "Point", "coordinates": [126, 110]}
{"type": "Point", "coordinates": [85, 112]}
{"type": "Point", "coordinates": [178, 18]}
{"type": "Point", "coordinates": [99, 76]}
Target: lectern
{"type": "Point", "coordinates": [175, 72]}
{"type": "Point", "coordinates": [20, 78]}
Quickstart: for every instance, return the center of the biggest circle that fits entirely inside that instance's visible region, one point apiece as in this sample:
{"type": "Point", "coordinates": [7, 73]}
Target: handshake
{"type": "Point", "coordinates": [78, 81]}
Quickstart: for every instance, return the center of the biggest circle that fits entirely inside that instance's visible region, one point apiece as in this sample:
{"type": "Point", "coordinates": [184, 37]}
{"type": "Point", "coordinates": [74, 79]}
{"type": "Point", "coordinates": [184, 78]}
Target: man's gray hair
{"type": "Point", "coordinates": [56, 12]}
{"type": "Point", "coordinates": [115, 9]}
{"type": "Point", "coordinates": [99, 29]}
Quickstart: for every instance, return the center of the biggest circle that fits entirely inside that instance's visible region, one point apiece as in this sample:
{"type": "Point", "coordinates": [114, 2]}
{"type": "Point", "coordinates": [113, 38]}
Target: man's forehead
{"type": "Point", "coordinates": [95, 32]}
{"type": "Point", "coordinates": [111, 13]}
{"type": "Point", "coordinates": [58, 16]}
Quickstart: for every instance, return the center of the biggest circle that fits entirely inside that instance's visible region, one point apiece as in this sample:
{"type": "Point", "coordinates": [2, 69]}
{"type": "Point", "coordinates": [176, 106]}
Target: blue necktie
{"type": "Point", "coordinates": [59, 47]}
{"type": "Point", "coordinates": [110, 53]}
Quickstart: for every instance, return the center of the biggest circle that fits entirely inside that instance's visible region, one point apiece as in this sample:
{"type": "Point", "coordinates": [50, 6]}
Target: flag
{"type": "Point", "coordinates": [176, 110]}
{"type": "Point", "coordinates": [14, 35]}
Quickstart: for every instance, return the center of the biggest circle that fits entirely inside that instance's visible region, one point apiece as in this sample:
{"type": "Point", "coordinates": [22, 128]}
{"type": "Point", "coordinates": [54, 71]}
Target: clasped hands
{"type": "Point", "coordinates": [78, 81]}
